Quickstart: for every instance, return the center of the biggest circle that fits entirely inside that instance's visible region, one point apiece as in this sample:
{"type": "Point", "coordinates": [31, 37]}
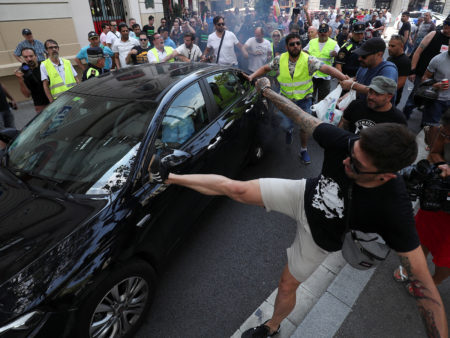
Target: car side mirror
{"type": "Point", "coordinates": [8, 134]}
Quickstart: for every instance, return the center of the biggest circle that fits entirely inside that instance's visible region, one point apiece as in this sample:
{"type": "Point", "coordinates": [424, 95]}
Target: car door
{"type": "Point", "coordinates": [187, 126]}
{"type": "Point", "coordinates": [235, 102]}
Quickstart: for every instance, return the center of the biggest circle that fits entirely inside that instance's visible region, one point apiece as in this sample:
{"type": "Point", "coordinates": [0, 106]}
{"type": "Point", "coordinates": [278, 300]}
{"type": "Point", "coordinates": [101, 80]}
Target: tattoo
{"type": "Point", "coordinates": [416, 288]}
{"type": "Point", "coordinates": [429, 322]}
{"type": "Point", "coordinates": [306, 121]}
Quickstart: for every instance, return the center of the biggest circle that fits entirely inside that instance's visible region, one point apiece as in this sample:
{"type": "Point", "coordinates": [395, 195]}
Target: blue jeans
{"type": "Point", "coordinates": [304, 104]}
{"type": "Point", "coordinates": [409, 105]}
{"type": "Point", "coordinates": [432, 113]}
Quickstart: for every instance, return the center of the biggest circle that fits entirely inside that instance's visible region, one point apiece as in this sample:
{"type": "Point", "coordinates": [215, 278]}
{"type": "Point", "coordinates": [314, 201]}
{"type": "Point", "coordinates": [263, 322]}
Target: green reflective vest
{"type": "Point", "coordinates": [56, 83]}
{"type": "Point", "coordinates": [168, 50]}
{"type": "Point", "coordinates": [298, 86]}
{"type": "Point", "coordinates": [322, 55]}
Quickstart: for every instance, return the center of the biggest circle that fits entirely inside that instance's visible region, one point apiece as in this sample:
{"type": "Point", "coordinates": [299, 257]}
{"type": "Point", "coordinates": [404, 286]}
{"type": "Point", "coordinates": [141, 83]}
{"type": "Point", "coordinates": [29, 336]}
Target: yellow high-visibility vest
{"type": "Point", "coordinates": [298, 86]}
{"type": "Point", "coordinates": [56, 83]}
{"type": "Point", "coordinates": [168, 50]}
{"type": "Point", "coordinates": [322, 55]}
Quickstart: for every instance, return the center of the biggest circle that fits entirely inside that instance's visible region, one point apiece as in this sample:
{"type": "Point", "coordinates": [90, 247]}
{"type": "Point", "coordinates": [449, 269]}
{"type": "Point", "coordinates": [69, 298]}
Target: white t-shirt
{"type": "Point", "coordinates": [321, 44]}
{"type": "Point", "coordinates": [59, 68]}
{"type": "Point", "coordinates": [103, 38]}
{"type": "Point", "coordinates": [112, 37]}
{"type": "Point", "coordinates": [261, 48]}
{"type": "Point", "coordinates": [227, 54]}
{"type": "Point", "coordinates": [123, 48]}
{"type": "Point", "coordinates": [192, 54]}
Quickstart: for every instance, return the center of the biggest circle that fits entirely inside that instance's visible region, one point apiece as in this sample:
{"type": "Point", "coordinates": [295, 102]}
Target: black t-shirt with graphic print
{"type": "Point", "coordinates": [360, 116]}
{"type": "Point", "coordinates": [385, 210]}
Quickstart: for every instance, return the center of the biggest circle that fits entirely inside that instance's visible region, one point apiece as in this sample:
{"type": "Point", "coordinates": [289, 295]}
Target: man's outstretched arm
{"type": "Point", "coordinates": [247, 192]}
{"type": "Point", "coordinates": [425, 292]}
{"type": "Point", "coordinates": [306, 121]}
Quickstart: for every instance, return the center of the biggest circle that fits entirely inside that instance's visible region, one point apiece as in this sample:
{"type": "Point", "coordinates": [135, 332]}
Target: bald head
{"type": "Point", "coordinates": [259, 34]}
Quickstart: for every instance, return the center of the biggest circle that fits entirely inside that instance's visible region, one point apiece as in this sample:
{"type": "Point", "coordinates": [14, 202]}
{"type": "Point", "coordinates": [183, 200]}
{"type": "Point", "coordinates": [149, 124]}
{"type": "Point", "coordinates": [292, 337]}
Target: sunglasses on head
{"type": "Point", "coordinates": [220, 24]}
{"type": "Point", "coordinates": [292, 44]}
{"type": "Point", "coordinates": [351, 143]}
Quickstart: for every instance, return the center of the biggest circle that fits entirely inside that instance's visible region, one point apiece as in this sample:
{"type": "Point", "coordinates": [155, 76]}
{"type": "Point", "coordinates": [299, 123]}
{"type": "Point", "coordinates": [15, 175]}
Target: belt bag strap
{"type": "Point", "coordinates": [220, 47]}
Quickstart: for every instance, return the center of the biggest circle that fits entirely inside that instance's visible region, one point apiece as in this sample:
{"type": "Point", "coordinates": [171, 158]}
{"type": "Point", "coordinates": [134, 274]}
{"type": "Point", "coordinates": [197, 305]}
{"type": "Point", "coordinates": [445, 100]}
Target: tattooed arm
{"type": "Point", "coordinates": [306, 121]}
{"type": "Point", "coordinates": [425, 292]}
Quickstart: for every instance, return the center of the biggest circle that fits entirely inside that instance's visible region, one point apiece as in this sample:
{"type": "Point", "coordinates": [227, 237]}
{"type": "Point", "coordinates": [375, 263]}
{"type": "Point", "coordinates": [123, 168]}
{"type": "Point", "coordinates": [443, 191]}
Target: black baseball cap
{"type": "Point", "coordinates": [359, 27]}
{"type": "Point", "coordinates": [323, 28]}
{"type": "Point", "coordinates": [447, 20]}
{"type": "Point", "coordinates": [95, 51]}
{"type": "Point", "coordinates": [371, 46]}
{"type": "Point", "coordinates": [26, 31]}
{"type": "Point", "coordinates": [92, 34]}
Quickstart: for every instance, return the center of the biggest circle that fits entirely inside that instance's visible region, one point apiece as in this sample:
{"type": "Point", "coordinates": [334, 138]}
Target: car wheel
{"type": "Point", "coordinates": [118, 303]}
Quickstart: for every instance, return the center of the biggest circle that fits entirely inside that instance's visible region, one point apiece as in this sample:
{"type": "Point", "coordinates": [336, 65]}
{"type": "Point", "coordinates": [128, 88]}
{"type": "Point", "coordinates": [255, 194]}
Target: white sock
{"type": "Point", "coordinates": [303, 149]}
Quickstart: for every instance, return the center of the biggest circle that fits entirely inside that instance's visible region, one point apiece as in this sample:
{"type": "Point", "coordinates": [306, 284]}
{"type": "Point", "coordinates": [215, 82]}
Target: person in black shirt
{"type": "Point", "coordinates": [380, 204]}
{"type": "Point", "coordinates": [377, 108]}
{"type": "Point", "coordinates": [405, 30]}
{"type": "Point", "coordinates": [138, 55]}
{"type": "Point", "coordinates": [347, 61]}
{"type": "Point", "coordinates": [403, 63]}
{"type": "Point", "coordinates": [376, 24]}
{"type": "Point", "coordinates": [6, 118]}
{"type": "Point", "coordinates": [29, 77]}
{"type": "Point", "coordinates": [149, 29]}
{"type": "Point", "coordinates": [96, 62]}
{"type": "Point", "coordinates": [342, 37]}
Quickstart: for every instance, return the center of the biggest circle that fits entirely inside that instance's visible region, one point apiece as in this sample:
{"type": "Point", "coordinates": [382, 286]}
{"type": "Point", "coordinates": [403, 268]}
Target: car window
{"type": "Point", "coordinates": [186, 116]}
{"type": "Point", "coordinates": [226, 88]}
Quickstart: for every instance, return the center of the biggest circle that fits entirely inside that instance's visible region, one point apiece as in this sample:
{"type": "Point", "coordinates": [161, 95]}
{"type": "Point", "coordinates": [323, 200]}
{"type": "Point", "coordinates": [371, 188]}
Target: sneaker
{"type": "Point", "coordinates": [304, 157]}
{"type": "Point", "coordinates": [289, 136]}
{"type": "Point", "coordinates": [261, 331]}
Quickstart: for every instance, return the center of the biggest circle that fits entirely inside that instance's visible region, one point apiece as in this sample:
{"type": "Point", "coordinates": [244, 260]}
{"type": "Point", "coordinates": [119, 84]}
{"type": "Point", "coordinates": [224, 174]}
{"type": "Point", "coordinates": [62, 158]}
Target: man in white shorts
{"type": "Point", "coordinates": [380, 204]}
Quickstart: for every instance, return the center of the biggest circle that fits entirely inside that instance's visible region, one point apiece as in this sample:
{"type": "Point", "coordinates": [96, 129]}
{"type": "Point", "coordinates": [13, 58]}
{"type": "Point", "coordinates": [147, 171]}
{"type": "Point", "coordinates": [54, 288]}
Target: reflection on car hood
{"type": "Point", "coordinates": [33, 231]}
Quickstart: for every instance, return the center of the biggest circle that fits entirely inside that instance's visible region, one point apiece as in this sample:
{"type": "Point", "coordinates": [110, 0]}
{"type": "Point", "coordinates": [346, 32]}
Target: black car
{"type": "Point", "coordinates": [82, 231]}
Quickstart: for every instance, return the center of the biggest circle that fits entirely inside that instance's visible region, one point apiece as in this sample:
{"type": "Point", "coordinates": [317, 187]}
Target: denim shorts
{"type": "Point", "coordinates": [305, 104]}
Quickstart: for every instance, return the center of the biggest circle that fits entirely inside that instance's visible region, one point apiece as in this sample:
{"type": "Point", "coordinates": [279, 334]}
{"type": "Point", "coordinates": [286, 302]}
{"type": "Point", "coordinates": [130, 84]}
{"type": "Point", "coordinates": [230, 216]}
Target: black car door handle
{"type": "Point", "coordinates": [228, 125]}
{"type": "Point", "coordinates": [213, 145]}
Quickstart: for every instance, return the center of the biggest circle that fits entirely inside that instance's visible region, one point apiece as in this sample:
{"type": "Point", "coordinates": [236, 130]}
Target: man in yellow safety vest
{"type": "Point", "coordinates": [57, 74]}
{"type": "Point", "coordinates": [296, 69]}
{"type": "Point", "coordinates": [325, 49]}
{"type": "Point", "coordinates": [159, 52]}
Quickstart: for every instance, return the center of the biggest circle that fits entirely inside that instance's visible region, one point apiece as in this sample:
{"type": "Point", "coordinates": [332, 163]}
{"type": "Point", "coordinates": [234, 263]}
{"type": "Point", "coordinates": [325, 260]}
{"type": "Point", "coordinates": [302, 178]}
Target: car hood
{"type": "Point", "coordinates": [34, 232]}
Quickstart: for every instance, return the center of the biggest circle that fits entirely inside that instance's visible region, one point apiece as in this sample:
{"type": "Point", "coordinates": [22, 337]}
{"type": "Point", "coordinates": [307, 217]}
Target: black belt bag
{"type": "Point", "coordinates": [362, 250]}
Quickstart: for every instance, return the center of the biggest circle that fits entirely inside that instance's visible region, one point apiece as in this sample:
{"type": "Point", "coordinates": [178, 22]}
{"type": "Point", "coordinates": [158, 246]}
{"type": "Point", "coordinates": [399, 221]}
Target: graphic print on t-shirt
{"type": "Point", "coordinates": [327, 198]}
{"type": "Point", "coordinates": [361, 124]}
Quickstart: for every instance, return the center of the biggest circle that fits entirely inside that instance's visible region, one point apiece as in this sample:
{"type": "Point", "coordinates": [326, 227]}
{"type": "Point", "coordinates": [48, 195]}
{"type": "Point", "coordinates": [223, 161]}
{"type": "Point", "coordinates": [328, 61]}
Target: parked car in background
{"type": "Point", "coordinates": [83, 233]}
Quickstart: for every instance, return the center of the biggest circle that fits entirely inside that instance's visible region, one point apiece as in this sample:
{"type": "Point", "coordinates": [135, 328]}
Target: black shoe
{"type": "Point", "coordinates": [261, 331]}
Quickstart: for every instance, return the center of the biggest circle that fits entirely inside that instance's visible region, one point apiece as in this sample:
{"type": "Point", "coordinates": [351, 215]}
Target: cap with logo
{"type": "Point", "coordinates": [26, 31]}
{"type": "Point", "coordinates": [359, 27]}
{"type": "Point", "coordinates": [383, 85]}
{"type": "Point", "coordinates": [93, 54]}
{"type": "Point", "coordinates": [371, 46]}
{"type": "Point", "coordinates": [92, 34]}
{"type": "Point", "coordinates": [323, 28]}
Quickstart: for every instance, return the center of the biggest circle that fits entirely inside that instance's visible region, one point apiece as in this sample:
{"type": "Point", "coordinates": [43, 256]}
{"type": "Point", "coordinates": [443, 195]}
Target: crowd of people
{"type": "Point", "coordinates": [302, 51]}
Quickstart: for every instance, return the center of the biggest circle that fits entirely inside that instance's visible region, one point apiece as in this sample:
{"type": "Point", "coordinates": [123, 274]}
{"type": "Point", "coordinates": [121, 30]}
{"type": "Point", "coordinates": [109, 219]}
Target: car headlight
{"type": "Point", "coordinates": [24, 322]}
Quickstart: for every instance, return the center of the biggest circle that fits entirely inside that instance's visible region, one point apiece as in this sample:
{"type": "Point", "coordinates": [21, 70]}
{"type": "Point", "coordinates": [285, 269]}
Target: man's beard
{"type": "Point", "coordinates": [294, 53]}
{"type": "Point", "coordinates": [31, 63]}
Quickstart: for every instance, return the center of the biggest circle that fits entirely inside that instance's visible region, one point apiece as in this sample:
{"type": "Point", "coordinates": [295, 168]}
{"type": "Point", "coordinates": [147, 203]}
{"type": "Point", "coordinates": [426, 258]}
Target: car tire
{"type": "Point", "coordinates": [118, 302]}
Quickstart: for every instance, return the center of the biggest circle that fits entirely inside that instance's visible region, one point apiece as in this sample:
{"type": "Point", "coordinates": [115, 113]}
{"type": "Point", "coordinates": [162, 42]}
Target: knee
{"type": "Point", "coordinates": [287, 286]}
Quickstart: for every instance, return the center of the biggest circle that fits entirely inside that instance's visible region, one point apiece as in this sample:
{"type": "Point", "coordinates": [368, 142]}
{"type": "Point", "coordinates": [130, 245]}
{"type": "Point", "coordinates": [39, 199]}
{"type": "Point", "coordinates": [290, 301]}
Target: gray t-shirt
{"type": "Point", "coordinates": [440, 67]}
{"type": "Point", "coordinates": [258, 53]}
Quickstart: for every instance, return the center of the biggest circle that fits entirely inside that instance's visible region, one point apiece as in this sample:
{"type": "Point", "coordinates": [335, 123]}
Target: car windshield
{"type": "Point", "coordinates": [86, 144]}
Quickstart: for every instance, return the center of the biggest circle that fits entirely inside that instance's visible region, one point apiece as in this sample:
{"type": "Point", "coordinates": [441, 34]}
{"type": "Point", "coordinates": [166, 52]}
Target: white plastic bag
{"type": "Point", "coordinates": [326, 109]}
{"type": "Point", "coordinates": [348, 98]}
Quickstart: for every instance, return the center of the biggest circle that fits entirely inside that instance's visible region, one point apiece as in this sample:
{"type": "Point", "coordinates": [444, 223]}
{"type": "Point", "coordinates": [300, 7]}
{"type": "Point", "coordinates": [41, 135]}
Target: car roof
{"type": "Point", "coordinates": [143, 82]}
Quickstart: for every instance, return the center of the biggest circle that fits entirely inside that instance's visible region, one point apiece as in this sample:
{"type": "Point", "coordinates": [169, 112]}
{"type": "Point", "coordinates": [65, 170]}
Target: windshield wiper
{"type": "Point", "coordinates": [4, 158]}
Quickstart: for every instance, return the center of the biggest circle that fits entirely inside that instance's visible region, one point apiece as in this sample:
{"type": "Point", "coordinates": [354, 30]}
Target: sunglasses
{"type": "Point", "coordinates": [296, 43]}
{"type": "Point", "coordinates": [143, 39]}
{"type": "Point", "coordinates": [220, 24]}
{"type": "Point", "coordinates": [351, 143]}
{"type": "Point", "coordinates": [365, 56]}
{"type": "Point", "coordinates": [276, 36]}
